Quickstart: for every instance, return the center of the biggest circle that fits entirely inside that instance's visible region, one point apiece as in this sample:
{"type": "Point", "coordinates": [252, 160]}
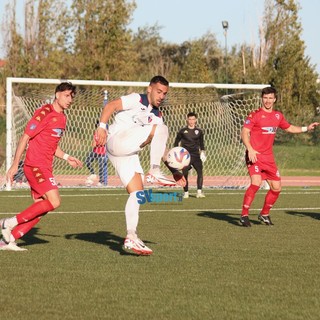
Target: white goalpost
{"type": "Point", "coordinates": [220, 116]}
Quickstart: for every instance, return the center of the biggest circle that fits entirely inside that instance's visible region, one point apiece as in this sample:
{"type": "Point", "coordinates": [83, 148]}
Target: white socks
{"type": "Point", "coordinates": [132, 213]}
{"type": "Point", "coordinates": [11, 222]}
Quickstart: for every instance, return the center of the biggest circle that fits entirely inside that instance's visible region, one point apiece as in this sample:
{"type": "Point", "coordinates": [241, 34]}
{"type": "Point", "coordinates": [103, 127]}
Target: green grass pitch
{"type": "Point", "coordinates": [204, 265]}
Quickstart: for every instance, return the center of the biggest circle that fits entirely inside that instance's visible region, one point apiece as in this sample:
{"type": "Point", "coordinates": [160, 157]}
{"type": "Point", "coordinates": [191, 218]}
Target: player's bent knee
{"type": "Point", "coordinates": [162, 129]}
{"type": "Point", "coordinates": [55, 203]}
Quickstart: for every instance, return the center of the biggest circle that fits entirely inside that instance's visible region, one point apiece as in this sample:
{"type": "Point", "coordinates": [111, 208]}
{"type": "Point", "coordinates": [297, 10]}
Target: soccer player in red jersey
{"type": "Point", "coordinates": [258, 134]}
{"type": "Point", "coordinates": [41, 138]}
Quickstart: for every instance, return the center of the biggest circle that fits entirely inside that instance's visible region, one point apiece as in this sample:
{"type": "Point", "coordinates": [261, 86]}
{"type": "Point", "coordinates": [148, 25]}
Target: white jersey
{"type": "Point", "coordinates": [134, 113]}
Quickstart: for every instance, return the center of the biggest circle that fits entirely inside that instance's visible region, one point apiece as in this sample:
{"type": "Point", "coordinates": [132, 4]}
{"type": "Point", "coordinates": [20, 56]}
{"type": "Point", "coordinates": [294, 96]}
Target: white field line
{"type": "Point", "coordinates": [220, 210]}
{"type": "Point", "coordinates": [165, 209]}
{"type": "Point", "coordinates": [222, 193]}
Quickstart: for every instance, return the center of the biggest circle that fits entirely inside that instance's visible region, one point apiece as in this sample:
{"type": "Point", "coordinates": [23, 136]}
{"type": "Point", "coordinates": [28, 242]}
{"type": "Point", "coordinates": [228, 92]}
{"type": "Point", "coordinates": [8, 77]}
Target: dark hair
{"type": "Point", "coordinates": [64, 86]}
{"type": "Point", "coordinates": [159, 79]}
{"type": "Point", "coordinates": [268, 90]}
{"type": "Point", "coordinates": [192, 114]}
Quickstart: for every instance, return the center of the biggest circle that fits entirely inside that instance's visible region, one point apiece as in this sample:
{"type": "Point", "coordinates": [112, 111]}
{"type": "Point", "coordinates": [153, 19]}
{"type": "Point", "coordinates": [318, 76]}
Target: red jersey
{"type": "Point", "coordinates": [263, 127]}
{"type": "Point", "coordinates": [45, 129]}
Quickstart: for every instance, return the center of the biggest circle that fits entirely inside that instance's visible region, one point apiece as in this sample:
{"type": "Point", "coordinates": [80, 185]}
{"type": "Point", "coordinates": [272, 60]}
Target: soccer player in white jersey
{"type": "Point", "coordinates": [137, 123]}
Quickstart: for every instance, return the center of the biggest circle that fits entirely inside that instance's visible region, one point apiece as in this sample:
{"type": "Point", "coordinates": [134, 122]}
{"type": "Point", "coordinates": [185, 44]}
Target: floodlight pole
{"type": "Point", "coordinates": [225, 26]}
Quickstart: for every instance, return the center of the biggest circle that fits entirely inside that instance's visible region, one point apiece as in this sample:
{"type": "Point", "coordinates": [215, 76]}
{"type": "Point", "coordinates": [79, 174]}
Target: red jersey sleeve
{"type": "Point", "coordinates": [284, 124]}
{"type": "Point", "coordinates": [37, 122]}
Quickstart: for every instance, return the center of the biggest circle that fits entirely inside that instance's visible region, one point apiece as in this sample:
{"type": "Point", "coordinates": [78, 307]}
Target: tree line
{"type": "Point", "coordinates": [92, 40]}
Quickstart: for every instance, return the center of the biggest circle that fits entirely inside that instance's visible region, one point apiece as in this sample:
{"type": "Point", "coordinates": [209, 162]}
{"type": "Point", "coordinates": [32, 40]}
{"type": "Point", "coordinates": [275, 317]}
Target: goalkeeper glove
{"type": "Point", "coordinates": [203, 156]}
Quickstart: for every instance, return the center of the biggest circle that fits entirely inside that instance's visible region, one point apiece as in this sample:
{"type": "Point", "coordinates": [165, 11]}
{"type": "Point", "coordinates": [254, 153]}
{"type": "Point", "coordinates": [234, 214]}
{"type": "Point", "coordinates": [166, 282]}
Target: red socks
{"type": "Point", "coordinates": [271, 198]}
{"type": "Point", "coordinates": [36, 209]}
{"type": "Point", "coordinates": [21, 229]}
{"type": "Point", "coordinates": [248, 198]}
{"type": "Point", "coordinates": [30, 217]}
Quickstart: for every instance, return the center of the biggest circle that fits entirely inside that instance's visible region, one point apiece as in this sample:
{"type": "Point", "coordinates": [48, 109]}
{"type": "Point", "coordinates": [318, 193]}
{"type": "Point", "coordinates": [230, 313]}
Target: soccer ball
{"type": "Point", "coordinates": [178, 158]}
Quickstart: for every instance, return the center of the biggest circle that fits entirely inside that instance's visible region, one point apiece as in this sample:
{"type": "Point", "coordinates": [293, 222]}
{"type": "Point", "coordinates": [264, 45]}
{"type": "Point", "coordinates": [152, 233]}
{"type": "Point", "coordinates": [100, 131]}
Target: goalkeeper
{"type": "Point", "coordinates": [191, 138]}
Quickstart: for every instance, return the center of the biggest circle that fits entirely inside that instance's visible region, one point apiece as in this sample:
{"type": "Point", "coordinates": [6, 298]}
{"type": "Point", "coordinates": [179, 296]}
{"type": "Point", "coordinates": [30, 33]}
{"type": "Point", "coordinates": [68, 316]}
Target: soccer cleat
{"type": "Point", "coordinates": [157, 177]}
{"type": "Point", "coordinates": [6, 231]}
{"type": "Point", "coordinates": [137, 246]}
{"type": "Point", "coordinates": [91, 179]}
{"type": "Point", "coordinates": [244, 220]}
{"type": "Point", "coordinates": [265, 219]}
{"type": "Point", "coordinates": [186, 195]}
{"type": "Point", "coordinates": [200, 195]}
{"type": "Point", "coordinates": [11, 246]}
{"type": "Point", "coordinates": [2, 244]}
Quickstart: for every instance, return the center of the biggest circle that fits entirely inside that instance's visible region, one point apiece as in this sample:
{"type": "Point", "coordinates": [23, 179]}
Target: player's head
{"type": "Point", "coordinates": [269, 97]}
{"type": "Point", "coordinates": [269, 90]}
{"type": "Point", "coordinates": [66, 86]}
{"type": "Point", "coordinates": [157, 90]}
{"type": "Point", "coordinates": [192, 114]}
{"type": "Point", "coordinates": [159, 79]}
{"type": "Point", "coordinates": [192, 119]}
{"type": "Point", "coordinates": [64, 95]}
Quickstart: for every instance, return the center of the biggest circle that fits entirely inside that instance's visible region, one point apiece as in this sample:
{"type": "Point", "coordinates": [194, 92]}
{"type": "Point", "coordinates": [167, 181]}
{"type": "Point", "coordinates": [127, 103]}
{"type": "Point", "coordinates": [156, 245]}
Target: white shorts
{"type": "Point", "coordinates": [127, 142]}
{"type": "Point", "coordinates": [123, 148]}
{"type": "Point", "coordinates": [126, 167]}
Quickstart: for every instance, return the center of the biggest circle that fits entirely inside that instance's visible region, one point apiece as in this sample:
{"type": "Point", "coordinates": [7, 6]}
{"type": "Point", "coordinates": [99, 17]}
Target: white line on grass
{"type": "Point", "coordinates": [224, 193]}
{"type": "Point", "coordinates": [173, 210]}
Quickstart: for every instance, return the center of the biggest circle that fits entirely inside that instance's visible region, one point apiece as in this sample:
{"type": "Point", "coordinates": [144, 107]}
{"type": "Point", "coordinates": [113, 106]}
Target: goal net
{"type": "Point", "coordinates": [221, 110]}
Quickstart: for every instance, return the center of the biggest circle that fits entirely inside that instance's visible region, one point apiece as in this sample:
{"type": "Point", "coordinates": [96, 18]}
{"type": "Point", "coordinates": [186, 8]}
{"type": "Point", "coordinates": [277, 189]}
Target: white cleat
{"type": "Point", "coordinates": [157, 177]}
{"type": "Point", "coordinates": [186, 195]}
{"type": "Point", "coordinates": [6, 231]}
{"type": "Point", "coordinates": [11, 246]}
{"type": "Point", "coordinates": [137, 246]}
{"type": "Point", "coordinates": [91, 180]}
{"type": "Point", "coordinates": [200, 195]}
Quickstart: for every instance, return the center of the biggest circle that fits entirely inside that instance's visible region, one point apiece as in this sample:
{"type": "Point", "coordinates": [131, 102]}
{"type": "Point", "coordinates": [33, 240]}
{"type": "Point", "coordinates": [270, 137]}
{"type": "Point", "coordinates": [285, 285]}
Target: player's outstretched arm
{"type": "Point", "coordinates": [296, 129]}
{"type": "Point", "coordinates": [108, 110]}
{"type": "Point", "coordinates": [74, 162]}
{"type": "Point", "coordinates": [312, 126]}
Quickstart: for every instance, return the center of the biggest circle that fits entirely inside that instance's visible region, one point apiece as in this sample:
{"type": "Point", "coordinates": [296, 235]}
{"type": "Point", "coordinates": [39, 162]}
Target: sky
{"type": "Point", "coordinates": [183, 20]}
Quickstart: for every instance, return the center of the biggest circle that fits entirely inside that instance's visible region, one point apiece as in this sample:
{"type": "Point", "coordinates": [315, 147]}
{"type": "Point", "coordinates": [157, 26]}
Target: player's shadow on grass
{"type": "Point", "coordinates": [32, 238]}
{"type": "Point", "coordinates": [313, 215]}
{"type": "Point", "coordinates": [222, 216]}
{"type": "Point", "coordinates": [113, 241]}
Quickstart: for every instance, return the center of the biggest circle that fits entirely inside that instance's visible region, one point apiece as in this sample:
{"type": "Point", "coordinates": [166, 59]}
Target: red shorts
{"type": "Point", "coordinates": [40, 180]}
{"type": "Point", "coordinates": [265, 166]}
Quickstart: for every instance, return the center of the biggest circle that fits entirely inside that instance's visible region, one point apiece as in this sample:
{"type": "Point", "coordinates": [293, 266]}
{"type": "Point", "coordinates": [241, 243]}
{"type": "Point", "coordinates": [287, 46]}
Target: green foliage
{"type": "Point", "coordinates": [195, 68]}
{"type": "Point", "coordinates": [286, 67]}
{"type": "Point", "coordinates": [101, 46]}
{"type": "Point", "coordinates": [297, 160]}
{"type": "Point", "coordinates": [91, 40]}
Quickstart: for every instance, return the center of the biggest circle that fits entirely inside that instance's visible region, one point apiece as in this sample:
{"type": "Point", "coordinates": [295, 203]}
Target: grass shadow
{"type": "Point", "coordinates": [114, 242]}
{"type": "Point", "coordinates": [32, 238]}
{"type": "Point", "coordinates": [313, 215]}
{"type": "Point", "coordinates": [229, 218]}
